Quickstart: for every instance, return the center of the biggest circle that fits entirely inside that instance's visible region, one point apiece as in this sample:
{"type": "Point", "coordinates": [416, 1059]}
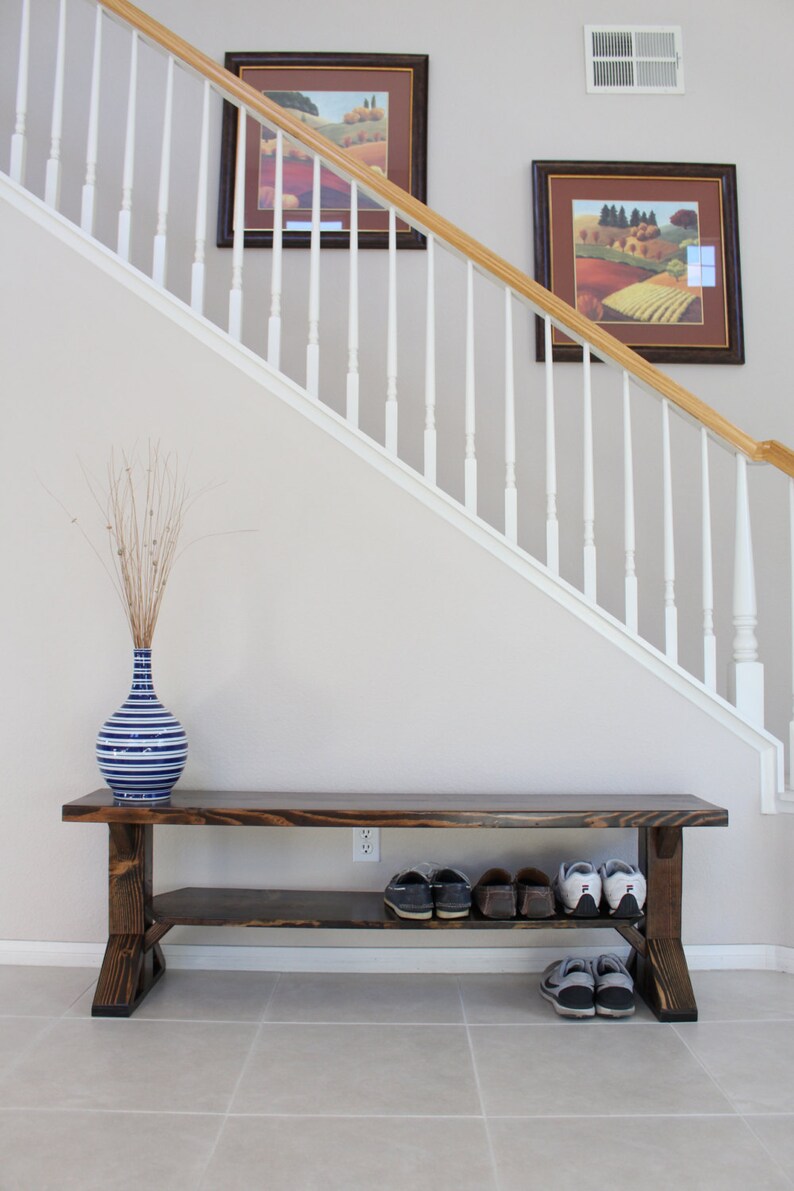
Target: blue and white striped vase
{"type": "Point", "coordinates": [141, 750]}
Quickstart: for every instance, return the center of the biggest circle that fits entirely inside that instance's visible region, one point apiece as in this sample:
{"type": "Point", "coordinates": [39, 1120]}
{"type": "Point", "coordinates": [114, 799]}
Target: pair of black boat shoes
{"type": "Point", "coordinates": [429, 888]}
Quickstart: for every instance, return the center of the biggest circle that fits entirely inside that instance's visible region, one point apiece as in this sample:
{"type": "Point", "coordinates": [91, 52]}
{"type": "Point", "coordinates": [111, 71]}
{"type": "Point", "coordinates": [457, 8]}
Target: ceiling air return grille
{"type": "Point", "coordinates": [634, 58]}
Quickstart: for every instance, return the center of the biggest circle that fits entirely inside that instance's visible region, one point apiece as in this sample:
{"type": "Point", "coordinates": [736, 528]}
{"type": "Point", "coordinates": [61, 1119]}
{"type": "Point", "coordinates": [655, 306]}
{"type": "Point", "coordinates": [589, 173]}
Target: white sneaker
{"type": "Point", "coordinates": [577, 887]}
{"type": "Point", "coordinates": [624, 888]}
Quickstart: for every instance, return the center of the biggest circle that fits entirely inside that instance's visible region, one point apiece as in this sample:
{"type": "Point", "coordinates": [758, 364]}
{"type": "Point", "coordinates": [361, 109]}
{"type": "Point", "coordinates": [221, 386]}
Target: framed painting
{"type": "Point", "coordinates": [649, 252]}
{"type": "Point", "coordinates": [373, 106]}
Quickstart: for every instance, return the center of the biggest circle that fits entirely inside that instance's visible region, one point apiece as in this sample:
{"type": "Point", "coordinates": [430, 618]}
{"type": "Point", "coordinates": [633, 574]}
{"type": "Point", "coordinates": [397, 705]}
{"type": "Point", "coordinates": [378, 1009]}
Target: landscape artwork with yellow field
{"type": "Point", "coordinates": [356, 123]}
{"type": "Point", "coordinates": [640, 263]}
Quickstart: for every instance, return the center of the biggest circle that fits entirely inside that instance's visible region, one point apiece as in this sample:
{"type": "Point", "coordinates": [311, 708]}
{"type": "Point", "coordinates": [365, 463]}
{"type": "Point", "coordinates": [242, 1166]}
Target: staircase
{"type": "Point", "coordinates": [419, 365]}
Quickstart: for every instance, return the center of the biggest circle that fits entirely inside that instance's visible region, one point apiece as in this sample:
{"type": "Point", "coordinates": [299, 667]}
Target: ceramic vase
{"type": "Point", "coordinates": [141, 750]}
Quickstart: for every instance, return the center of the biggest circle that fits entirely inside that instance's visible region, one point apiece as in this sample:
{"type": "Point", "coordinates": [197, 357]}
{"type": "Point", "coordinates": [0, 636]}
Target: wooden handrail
{"type": "Point", "coordinates": [428, 221]}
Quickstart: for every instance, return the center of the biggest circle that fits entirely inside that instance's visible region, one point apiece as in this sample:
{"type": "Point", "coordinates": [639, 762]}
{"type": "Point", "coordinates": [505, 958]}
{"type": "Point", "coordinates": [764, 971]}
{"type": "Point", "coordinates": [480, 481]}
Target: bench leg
{"type": "Point", "coordinates": [130, 968]}
{"type": "Point", "coordinates": [662, 970]}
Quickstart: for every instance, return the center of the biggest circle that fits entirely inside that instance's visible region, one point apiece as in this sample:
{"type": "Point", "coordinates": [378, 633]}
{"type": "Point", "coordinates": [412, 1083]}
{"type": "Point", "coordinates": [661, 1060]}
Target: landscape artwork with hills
{"type": "Point", "coordinates": [631, 262]}
{"type": "Point", "coordinates": [355, 123]}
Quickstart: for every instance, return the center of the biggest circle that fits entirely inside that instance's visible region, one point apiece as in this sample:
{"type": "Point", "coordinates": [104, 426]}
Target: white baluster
{"type": "Point", "coordinates": [351, 408]}
{"type": "Point", "coordinates": [160, 241]}
{"type": "Point", "coordinates": [511, 492]}
{"type": "Point", "coordinates": [590, 584]}
{"type": "Point", "coordinates": [198, 269]}
{"type": "Point", "coordinates": [274, 321]}
{"type": "Point", "coordinates": [709, 640]}
{"type": "Point", "coordinates": [391, 340]}
{"type": "Point", "coordinates": [791, 596]}
{"type": "Point", "coordinates": [313, 347]}
{"type": "Point", "coordinates": [430, 366]}
{"type": "Point", "coordinates": [470, 463]}
{"type": "Point", "coordinates": [552, 524]}
{"type": "Point", "coordinates": [125, 214]}
{"type": "Point", "coordinates": [89, 188]}
{"type": "Point", "coordinates": [238, 232]}
{"type": "Point", "coordinates": [52, 179]}
{"type": "Point", "coordinates": [18, 143]}
{"type": "Point", "coordinates": [746, 674]}
{"type": "Point", "coordinates": [629, 542]}
{"type": "Point", "coordinates": [670, 610]}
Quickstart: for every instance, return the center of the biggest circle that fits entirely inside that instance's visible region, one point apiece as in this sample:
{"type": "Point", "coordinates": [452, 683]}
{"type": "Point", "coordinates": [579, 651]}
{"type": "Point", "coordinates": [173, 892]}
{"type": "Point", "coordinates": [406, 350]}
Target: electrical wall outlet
{"type": "Point", "coordinates": [366, 843]}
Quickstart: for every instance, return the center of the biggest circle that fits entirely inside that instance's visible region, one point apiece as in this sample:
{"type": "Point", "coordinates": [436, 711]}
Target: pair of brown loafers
{"type": "Point", "coordinates": [498, 894]}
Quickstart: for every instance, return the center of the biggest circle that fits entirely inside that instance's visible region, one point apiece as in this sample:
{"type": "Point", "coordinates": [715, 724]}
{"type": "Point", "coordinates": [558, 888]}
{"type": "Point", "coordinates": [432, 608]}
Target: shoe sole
{"type": "Point", "coordinates": [584, 908]}
{"type": "Point", "coordinates": [627, 907]}
{"type": "Point", "coordinates": [452, 913]}
{"type": "Point", "coordinates": [603, 1011]}
{"type": "Point", "coordinates": [567, 1010]}
{"type": "Point", "coordinates": [417, 915]}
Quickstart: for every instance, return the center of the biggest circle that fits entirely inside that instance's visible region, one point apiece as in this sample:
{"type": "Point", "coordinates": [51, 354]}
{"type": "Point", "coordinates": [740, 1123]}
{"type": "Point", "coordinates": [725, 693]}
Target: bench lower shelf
{"type": "Point", "coordinates": [345, 909]}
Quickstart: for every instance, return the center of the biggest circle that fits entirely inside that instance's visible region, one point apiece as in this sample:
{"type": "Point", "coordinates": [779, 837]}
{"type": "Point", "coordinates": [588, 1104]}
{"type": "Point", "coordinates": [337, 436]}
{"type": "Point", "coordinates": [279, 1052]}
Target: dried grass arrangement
{"type": "Point", "coordinates": [144, 503]}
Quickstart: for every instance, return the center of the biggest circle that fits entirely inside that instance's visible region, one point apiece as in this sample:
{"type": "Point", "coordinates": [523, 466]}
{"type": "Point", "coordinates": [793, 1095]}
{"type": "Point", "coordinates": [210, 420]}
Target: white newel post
{"type": "Point", "coordinates": [709, 639]}
{"type": "Point", "coordinates": [274, 321]}
{"type": "Point", "coordinates": [430, 366]}
{"type": "Point", "coordinates": [17, 167]}
{"type": "Point", "coordinates": [52, 180]}
{"type": "Point", "coordinates": [629, 533]}
{"type": "Point", "coordinates": [746, 674]}
{"type": "Point", "coordinates": [470, 460]}
{"type": "Point", "coordinates": [511, 492]}
{"type": "Point", "coordinates": [89, 187]}
{"type": "Point", "coordinates": [353, 380]}
{"type": "Point", "coordinates": [552, 523]}
{"type": "Point", "coordinates": [128, 173]}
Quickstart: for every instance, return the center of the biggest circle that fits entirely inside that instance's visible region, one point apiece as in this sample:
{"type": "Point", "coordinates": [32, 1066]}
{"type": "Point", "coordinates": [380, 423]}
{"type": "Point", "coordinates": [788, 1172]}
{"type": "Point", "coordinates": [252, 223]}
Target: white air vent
{"type": "Point", "coordinates": [638, 58]}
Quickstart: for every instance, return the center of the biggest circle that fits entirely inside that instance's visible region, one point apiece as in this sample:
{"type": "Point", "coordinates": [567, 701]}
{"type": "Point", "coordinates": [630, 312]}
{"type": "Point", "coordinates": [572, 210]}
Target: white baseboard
{"type": "Point", "coordinates": [709, 957]}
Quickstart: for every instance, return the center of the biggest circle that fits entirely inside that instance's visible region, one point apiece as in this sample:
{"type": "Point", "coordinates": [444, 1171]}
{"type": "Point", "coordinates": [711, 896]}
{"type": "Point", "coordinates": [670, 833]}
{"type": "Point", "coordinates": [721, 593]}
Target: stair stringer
{"type": "Point", "coordinates": [768, 749]}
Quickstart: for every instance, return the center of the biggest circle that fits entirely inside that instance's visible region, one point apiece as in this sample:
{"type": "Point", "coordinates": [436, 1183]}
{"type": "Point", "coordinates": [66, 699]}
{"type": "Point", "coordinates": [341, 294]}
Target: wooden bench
{"type": "Point", "coordinates": [134, 960]}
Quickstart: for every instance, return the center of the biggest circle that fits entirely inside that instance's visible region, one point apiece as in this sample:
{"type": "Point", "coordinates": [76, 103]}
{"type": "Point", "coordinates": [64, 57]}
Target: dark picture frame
{"type": "Point", "coordinates": [589, 247]}
{"type": "Point", "coordinates": [374, 105]}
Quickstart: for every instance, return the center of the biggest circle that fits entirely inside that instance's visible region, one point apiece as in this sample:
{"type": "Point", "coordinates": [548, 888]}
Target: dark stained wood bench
{"type": "Point", "coordinates": [134, 960]}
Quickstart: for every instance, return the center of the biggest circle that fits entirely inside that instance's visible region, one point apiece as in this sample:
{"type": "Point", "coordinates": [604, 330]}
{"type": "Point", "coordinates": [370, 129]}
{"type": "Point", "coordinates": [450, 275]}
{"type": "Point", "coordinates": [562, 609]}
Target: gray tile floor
{"type": "Point", "coordinates": [236, 1081]}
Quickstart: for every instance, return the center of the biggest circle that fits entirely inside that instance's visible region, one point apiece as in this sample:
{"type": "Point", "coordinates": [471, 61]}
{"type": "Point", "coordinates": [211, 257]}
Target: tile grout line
{"type": "Point", "coordinates": [388, 1116]}
{"type": "Point", "coordinates": [702, 1063]}
{"type": "Point", "coordinates": [246, 1062]}
{"type": "Point", "coordinates": [486, 1125]}
{"type": "Point", "coordinates": [92, 984]}
{"type": "Point", "coordinates": [748, 1125]}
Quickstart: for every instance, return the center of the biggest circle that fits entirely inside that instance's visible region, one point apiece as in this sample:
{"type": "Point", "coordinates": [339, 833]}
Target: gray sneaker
{"type": "Point", "coordinates": [569, 985]}
{"type": "Point", "coordinates": [451, 893]}
{"type": "Point", "coordinates": [614, 987]}
{"type": "Point", "coordinates": [410, 893]}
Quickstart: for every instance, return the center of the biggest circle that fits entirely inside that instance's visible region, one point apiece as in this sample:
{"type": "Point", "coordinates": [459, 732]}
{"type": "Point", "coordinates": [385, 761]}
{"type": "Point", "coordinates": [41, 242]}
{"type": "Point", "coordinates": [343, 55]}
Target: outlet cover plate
{"type": "Point", "coordinates": [366, 843]}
